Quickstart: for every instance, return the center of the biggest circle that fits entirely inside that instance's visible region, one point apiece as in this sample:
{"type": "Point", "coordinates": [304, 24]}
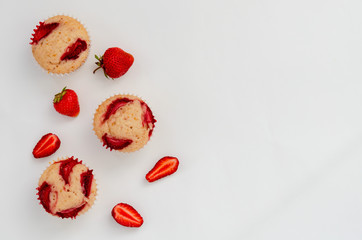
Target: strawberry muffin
{"type": "Point", "coordinates": [60, 44]}
{"type": "Point", "coordinates": [124, 123]}
{"type": "Point", "coordinates": [67, 188]}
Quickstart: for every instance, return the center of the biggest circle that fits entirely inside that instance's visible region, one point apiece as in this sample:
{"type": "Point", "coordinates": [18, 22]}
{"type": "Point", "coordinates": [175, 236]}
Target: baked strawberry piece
{"type": "Point", "coordinates": [60, 44]}
{"type": "Point", "coordinates": [67, 188]}
{"type": "Point", "coordinates": [124, 123]}
{"type": "Point", "coordinates": [115, 62]}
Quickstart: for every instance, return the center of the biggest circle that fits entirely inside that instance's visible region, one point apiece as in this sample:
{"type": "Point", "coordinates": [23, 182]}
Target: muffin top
{"type": "Point", "coordinates": [124, 123]}
{"type": "Point", "coordinates": [60, 44]}
{"type": "Point", "coordinates": [67, 188]}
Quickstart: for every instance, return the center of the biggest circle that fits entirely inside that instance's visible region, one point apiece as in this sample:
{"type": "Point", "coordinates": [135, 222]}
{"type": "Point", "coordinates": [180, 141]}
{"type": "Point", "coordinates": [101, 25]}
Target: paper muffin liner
{"type": "Point", "coordinates": [60, 75]}
{"type": "Point", "coordinates": [118, 151]}
{"type": "Point", "coordinates": [91, 203]}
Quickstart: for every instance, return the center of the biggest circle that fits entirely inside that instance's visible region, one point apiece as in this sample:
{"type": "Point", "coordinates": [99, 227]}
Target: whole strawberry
{"type": "Point", "coordinates": [66, 102]}
{"type": "Point", "coordinates": [115, 62]}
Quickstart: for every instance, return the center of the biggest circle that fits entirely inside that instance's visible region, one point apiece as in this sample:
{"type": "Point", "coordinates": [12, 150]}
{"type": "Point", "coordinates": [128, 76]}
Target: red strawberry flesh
{"type": "Point", "coordinates": [73, 51]}
{"type": "Point", "coordinates": [86, 179]}
{"type": "Point", "coordinates": [164, 167]}
{"type": "Point", "coordinates": [147, 118]}
{"type": "Point", "coordinates": [71, 212]}
{"type": "Point", "coordinates": [66, 167]}
{"type": "Point", "coordinates": [115, 143]}
{"type": "Point", "coordinates": [42, 30]}
{"type": "Point", "coordinates": [126, 215]}
{"type": "Point", "coordinates": [44, 192]}
{"type": "Point", "coordinates": [46, 146]}
{"type": "Point", "coordinates": [114, 106]}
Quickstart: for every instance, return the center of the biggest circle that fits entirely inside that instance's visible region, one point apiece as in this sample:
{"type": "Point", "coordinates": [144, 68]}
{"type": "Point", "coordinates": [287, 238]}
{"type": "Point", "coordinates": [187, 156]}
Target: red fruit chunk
{"type": "Point", "coordinates": [86, 179]}
{"type": "Point", "coordinates": [46, 146]}
{"type": "Point", "coordinates": [126, 215]}
{"type": "Point", "coordinates": [66, 168]}
{"type": "Point", "coordinates": [43, 193]}
{"type": "Point", "coordinates": [147, 118]}
{"type": "Point", "coordinates": [164, 167]}
{"type": "Point", "coordinates": [71, 212]}
{"type": "Point", "coordinates": [73, 51]}
{"type": "Point", "coordinates": [42, 30]}
{"type": "Point", "coordinates": [114, 106]}
{"type": "Point", "coordinates": [115, 143]}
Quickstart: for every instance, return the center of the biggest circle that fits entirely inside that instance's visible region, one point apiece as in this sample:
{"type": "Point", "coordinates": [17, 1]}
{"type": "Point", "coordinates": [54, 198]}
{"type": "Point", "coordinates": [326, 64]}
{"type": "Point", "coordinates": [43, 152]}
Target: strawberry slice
{"type": "Point", "coordinates": [164, 167]}
{"type": "Point", "coordinates": [114, 106]}
{"type": "Point", "coordinates": [42, 30]}
{"type": "Point", "coordinates": [71, 213]}
{"type": "Point", "coordinates": [147, 118]}
{"type": "Point", "coordinates": [66, 167]}
{"type": "Point", "coordinates": [86, 179]}
{"type": "Point", "coordinates": [43, 193]}
{"type": "Point", "coordinates": [126, 215]}
{"type": "Point", "coordinates": [46, 146]}
{"type": "Point", "coordinates": [115, 143]}
{"type": "Point", "coordinates": [74, 50]}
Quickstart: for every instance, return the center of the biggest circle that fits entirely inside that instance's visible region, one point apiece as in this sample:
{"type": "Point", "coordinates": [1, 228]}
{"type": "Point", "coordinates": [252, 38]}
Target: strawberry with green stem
{"type": "Point", "coordinates": [115, 62]}
{"type": "Point", "coordinates": [66, 103]}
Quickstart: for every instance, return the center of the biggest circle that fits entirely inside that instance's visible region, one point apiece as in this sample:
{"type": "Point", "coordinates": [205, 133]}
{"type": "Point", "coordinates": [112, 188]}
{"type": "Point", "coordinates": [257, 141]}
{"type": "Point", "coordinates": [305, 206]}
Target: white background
{"type": "Point", "coordinates": [260, 100]}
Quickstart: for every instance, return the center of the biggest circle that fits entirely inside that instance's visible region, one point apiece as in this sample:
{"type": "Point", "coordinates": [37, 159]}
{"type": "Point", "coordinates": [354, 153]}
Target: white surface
{"type": "Point", "coordinates": [260, 100]}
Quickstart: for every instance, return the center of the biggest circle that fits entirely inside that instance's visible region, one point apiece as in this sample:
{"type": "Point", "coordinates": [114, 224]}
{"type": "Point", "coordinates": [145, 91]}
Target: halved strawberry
{"type": "Point", "coordinates": [46, 146]}
{"type": "Point", "coordinates": [164, 167]}
{"type": "Point", "coordinates": [126, 215]}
